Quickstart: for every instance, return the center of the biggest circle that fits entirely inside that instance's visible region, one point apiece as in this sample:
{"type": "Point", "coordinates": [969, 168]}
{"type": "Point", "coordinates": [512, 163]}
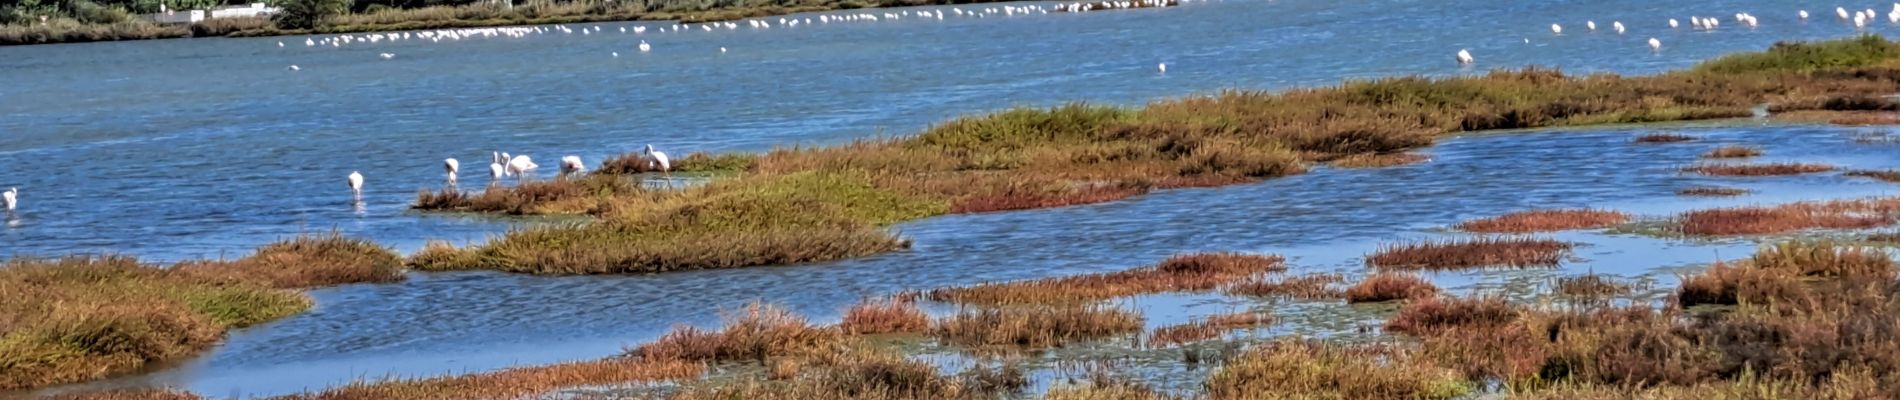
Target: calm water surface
{"type": "Point", "coordinates": [183, 149]}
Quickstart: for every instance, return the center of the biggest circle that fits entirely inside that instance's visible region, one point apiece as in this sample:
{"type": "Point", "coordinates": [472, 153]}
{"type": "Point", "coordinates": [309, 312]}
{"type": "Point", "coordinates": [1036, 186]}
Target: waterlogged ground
{"type": "Point", "coordinates": [203, 148]}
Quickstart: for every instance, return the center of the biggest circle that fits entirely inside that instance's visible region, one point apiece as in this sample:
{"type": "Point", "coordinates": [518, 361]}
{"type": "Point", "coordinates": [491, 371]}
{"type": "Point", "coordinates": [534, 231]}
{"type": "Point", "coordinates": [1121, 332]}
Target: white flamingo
{"type": "Point", "coordinates": [1840, 12]}
{"type": "Point", "coordinates": [387, 56]}
{"type": "Point", "coordinates": [1803, 14]}
{"type": "Point", "coordinates": [11, 197]}
{"type": "Point", "coordinates": [1557, 29]}
{"type": "Point", "coordinates": [1590, 24]}
{"type": "Point", "coordinates": [496, 171]}
{"type": "Point", "coordinates": [644, 47]}
{"type": "Point", "coordinates": [356, 183]}
{"type": "Point", "coordinates": [453, 167]}
{"type": "Point", "coordinates": [658, 160]}
{"type": "Point", "coordinates": [1464, 57]}
{"type": "Point", "coordinates": [520, 165]}
{"type": "Point", "coordinates": [572, 164]}
{"type": "Point", "coordinates": [1618, 26]}
{"type": "Point", "coordinates": [1673, 24]}
{"type": "Point", "coordinates": [1163, 67]}
{"type": "Point", "coordinates": [1655, 45]}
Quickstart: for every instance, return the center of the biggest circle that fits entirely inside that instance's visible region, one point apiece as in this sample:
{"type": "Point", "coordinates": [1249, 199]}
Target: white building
{"type": "Point", "coordinates": [177, 17]}
{"type": "Point", "coordinates": [251, 10]}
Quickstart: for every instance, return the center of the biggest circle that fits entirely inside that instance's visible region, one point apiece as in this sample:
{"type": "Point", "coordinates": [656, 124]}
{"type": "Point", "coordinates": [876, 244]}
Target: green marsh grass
{"type": "Point", "coordinates": [824, 203]}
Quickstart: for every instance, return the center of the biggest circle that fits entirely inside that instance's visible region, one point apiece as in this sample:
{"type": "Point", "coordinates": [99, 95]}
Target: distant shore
{"type": "Point", "coordinates": [439, 17]}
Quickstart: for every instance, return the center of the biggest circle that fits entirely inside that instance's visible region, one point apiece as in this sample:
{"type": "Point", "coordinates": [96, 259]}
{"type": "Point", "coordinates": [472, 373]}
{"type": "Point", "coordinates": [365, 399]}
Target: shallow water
{"type": "Point", "coordinates": [203, 148]}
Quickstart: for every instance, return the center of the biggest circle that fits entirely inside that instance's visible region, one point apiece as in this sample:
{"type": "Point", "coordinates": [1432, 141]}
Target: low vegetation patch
{"type": "Point", "coordinates": [1520, 252]}
{"type": "Point", "coordinates": [1209, 328]}
{"type": "Point", "coordinates": [1663, 138]}
{"type": "Point", "coordinates": [1304, 287]}
{"type": "Point", "coordinates": [1377, 160]}
{"type": "Point", "coordinates": [1180, 273]}
{"type": "Point", "coordinates": [86, 317]}
{"type": "Point", "coordinates": [587, 194]}
{"type": "Point", "coordinates": [515, 383]}
{"type": "Point", "coordinates": [1592, 286]}
{"type": "Point", "coordinates": [1733, 152]}
{"type": "Point", "coordinates": [1711, 191]}
{"type": "Point", "coordinates": [1545, 221]}
{"type": "Point", "coordinates": [1020, 328]}
{"type": "Point", "coordinates": [825, 203]}
{"type": "Point", "coordinates": [1301, 370]}
{"type": "Point", "coordinates": [891, 315]}
{"type": "Point", "coordinates": [758, 333]}
{"type": "Point", "coordinates": [1776, 169]}
{"type": "Point", "coordinates": [1887, 175]}
{"type": "Point", "coordinates": [1762, 220]}
{"type": "Point", "coordinates": [1389, 286]}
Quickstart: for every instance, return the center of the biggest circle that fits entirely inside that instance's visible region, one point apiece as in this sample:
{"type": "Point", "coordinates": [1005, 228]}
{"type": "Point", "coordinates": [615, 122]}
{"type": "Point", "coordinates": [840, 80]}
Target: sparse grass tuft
{"type": "Point", "coordinates": [1733, 152]}
{"type": "Point", "coordinates": [1887, 175]}
{"type": "Point", "coordinates": [1592, 286]}
{"type": "Point", "coordinates": [1712, 191]}
{"type": "Point", "coordinates": [1186, 272]}
{"type": "Point", "coordinates": [758, 333]}
{"type": "Point", "coordinates": [871, 317]}
{"type": "Point", "coordinates": [1470, 253]}
{"type": "Point", "coordinates": [1760, 220]}
{"type": "Point", "coordinates": [1545, 221]}
{"type": "Point", "coordinates": [1377, 160]}
{"type": "Point", "coordinates": [1206, 329]}
{"type": "Point", "coordinates": [1663, 138]}
{"type": "Point", "coordinates": [1389, 286]}
{"type": "Point", "coordinates": [1437, 314]}
{"type": "Point", "coordinates": [1777, 169]}
{"type": "Point", "coordinates": [1302, 370]}
{"type": "Point", "coordinates": [1017, 328]}
{"type": "Point", "coordinates": [1304, 287]}
{"type": "Point", "coordinates": [304, 261]}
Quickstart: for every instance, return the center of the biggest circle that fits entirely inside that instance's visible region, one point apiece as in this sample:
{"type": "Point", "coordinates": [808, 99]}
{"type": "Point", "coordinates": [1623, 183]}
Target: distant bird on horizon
{"type": "Point", "coordinates": [1618, 26]}
{"type": "Point", "coordinates": [658, 160]}
{"type": "Point", "coordinates": [1557, 29]}
{"type": "Point", "coordinates": [280, 44]}
{"type": "Point", "coordinates": [453, 167]}
{"type": "Point", "coordinates": [644, 47]}
{"type": "Point", "coordinates": [387, 56]}
{"type": "Point", "coordinates": [356, 184]}
{"type": "Point", "coordinates": [1464, 57]}
{"type": "Point", "coordinates": [1163, 67]}
{"type": "Point", "coordinates": [1840, 12]}
{"type": "Point", "coordinates": [1803, 14]}
{"type": "Point", "coordinates": [11, 198]}
{"type": "Point", "coordinates": [1654, 44]}
{"type": "Point", "coordinates": [293, 67]}
{"type": "Point", "coordinates": [1592, 25]}
{"type": "Point", "coordinates": [1673, 24]}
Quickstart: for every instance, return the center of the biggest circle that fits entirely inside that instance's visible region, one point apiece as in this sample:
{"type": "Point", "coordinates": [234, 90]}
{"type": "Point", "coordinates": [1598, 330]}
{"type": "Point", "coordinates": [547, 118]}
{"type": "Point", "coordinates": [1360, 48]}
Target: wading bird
{"type": "Point", "coordinates": [495, 172]}
{"type": "Point", "coordinates": [356, 183]}
{"type": "Point", "coordinates": [644, 46]}
{"type": "Point", "coordinates": [572, 164]}
{"type": "Point", "coordinates": [1654, 44]}
{"type": "Point", "coordinates": [387, 56]}
{"type": "Point", "coordinates": [1592, 25]}
{"type": "Point", "coordinates": [11, 197]}
{"type": "Point", "coordinates": [1673, 24]}
{"type": "Point", "coordinates": [1618, 26]}
{"type": "Point", "coordinates": [1464, 57]}
{"type": "Point", "coordinates": [452, 166]}
{"type": "Point", "coordinates": [293, 67]}
{"type": "Point", "coordinates": [1557, 29]}
{"type": "Point", "coordinates": [657, 160]}
{"type": "Point", "coordinates": [1163, 67]}
{"type": "Point", "coordinates": [521, 164]}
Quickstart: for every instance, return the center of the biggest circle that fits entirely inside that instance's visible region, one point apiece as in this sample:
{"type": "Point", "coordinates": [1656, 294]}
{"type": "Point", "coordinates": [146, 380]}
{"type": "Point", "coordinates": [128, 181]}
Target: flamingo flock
{"type": "Point", "coordinates": [501, 165]}
{"type": "Point", "coordinates": [1857, 19]}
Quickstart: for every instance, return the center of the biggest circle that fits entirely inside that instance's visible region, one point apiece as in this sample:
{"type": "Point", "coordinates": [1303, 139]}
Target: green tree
{"type": "Point", "coordinates": [306, 14]}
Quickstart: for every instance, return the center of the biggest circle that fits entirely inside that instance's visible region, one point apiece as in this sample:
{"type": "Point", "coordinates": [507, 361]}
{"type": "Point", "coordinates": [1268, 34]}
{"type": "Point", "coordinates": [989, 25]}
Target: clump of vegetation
{"type": "Point", "coordinates": [1470, 253]}
{"type": "Point", "coordinates": [514, 383]}
{"type": "Point", "coordinates": [1438, 314]}
{"type": "Point", "coordinates": [760, 332]}
{"type": "Point", "coordinates": [1185, 272]}
{"type": "Point", "coordinates": [1711, 191]}
{"type": "Point", "coordinates": [1884, 238]}
{"type": "Point", "coordinates": [638, 163]}
{"type": "Point", "coordinates": [1295, 369]}
{"type": "Point", "coordinates": [864, 375]}
{"type": "Point", "coordinates": [1775, 169]}
{"type": "Point", "coordinates": [890, 315]}
{"type": "Point", "coordinates": [1842, 214]}
{"type": "Point", "coordinates": [1018, 328]}
{"type": "Point", "coordinates": [1545, 221]}
{"type": "Point", "coordinates": [1208, 328]}
{"type": "Point", "coordinates": [587, 194]}
{"type": "Point", "coordinates": [1663, 138]}
{"type": "Point", "coordinates": [1887, 175]}
{"type": "Point", "coordinates": [1378, 160]}
{"type": "Point", "coordinates": [1863, 51]}
{"type": "Point", "coordinates": [1389, 286]}
{"type": "Point", "coordinates": [85, 317]}
{"type": "Point", "coordinates": [1592, 286]}
{"type": "Point", "coordinates": [1079, 153]}
{"type": "Point", "coordinates": [1733, 152]}
{"type": "Point", "coordinates": [1305, 287]}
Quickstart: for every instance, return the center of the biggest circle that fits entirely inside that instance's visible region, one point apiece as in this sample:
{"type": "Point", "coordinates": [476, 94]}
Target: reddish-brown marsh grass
{"type": "Point", "coordinates": [1884, 238]}
{"type": "Point", "coordinates": [1592, 286]}
{"type": "Point", "coordinates": [1435, 314]}
{"type": "Point", "coordinates": [128, 394]}
{"type": "Point", "coordinates": [1733, 152]}
{"type": "Point", "coordinates": [1545, 221]}
{"type": "Point", "coordinates": [1298, 370]}
{"type": "Point", "coordinates": [1723, 284]}
{"type": "Point", "coordinates": [1380, 160]}
{"type": "Point", "coordinates": [515, 383]}
{"type": "Point", "coordinates": [863, 375]}
{"type": "Point", "coordinates": [1186, 272]}
{"type": "Point", "coordinates": [890, 315]}
{"type": "Point", "coordinates": [1774, 169]}
{"type": "Point", "coordinates": [584, 194]}
{"type": "Point", "coordinates": [1470, 253]}
{"type": "Point", "coordinates": [1711, 191]}
{"type": "Point", "coordinates": [1760, 220]}
{"type": "Point", "coordinates": [1018, 328]}
{"type": "Point", "coordinates": [1305, 287]}
{"type": "Point", "coordinates": [1663, 138]}
{"type": "Point", "coordinates": [1389, 286]}
{"type": "Point", "coordinates": [759, 332]}
{"type": "Point", "coordinates": [1887, 175]}
{"type": "Point", "coordinates": [1208, 328]}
